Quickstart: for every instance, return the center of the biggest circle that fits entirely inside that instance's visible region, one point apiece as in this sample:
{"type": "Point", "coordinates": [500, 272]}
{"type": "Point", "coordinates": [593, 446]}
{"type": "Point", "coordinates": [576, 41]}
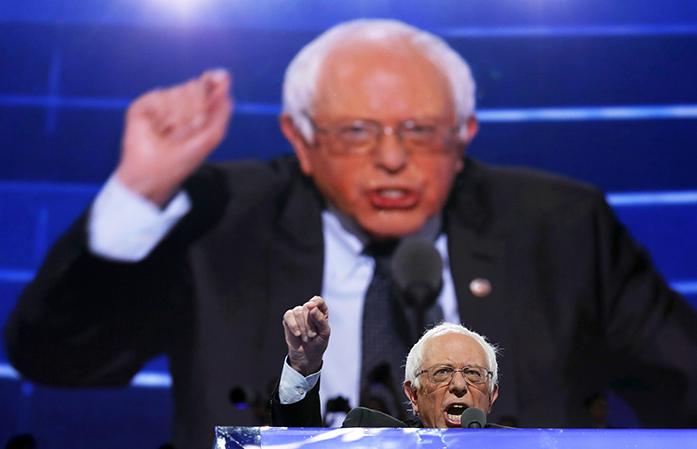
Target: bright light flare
{"type": "Point", "coordinates": [183, 8]}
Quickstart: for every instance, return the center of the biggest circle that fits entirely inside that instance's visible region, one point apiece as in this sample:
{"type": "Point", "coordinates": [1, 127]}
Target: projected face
{"type": "Point", "coordinates": [386, 149]}
{"type": "Point", "coordinates": [453, 378]}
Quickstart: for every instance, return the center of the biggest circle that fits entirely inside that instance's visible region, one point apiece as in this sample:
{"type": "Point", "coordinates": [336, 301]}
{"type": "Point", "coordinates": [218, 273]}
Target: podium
{"type": "Point", "coordinates": [358, 438]}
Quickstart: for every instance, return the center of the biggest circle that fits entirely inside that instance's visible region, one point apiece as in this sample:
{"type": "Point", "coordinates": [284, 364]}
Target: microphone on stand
{"type": "Point", "coordinates": [417, 272]}
{"type": "Point", "coordinates": [473, 418]}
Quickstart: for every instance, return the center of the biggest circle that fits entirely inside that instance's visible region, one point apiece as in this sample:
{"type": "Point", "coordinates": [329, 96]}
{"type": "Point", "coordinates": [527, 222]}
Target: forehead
{"type": "Point", "coordinates": [454, 349]}
{"type": "Point", "coordinates": [382, 79]}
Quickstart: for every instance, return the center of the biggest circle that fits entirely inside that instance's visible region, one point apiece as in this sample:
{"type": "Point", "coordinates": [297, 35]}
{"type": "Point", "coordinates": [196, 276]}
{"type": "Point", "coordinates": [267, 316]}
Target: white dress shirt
{"type": "Point", "coordinates": [124, 226]}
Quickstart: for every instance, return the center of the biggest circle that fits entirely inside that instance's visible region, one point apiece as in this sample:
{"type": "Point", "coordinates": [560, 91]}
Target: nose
{"type": "Point", "coordinates": [458, 385]}
{"type": "Point", "coordinates": [390, 154]}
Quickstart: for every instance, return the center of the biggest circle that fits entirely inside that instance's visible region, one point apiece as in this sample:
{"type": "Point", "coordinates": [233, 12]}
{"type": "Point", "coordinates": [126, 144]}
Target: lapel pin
{"type": "Point", "coordinates": [480, 287]}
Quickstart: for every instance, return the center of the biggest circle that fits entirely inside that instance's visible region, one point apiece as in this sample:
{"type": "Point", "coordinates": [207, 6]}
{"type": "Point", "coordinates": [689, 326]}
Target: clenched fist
{"type": "Point", "coordinates": [169, 132]}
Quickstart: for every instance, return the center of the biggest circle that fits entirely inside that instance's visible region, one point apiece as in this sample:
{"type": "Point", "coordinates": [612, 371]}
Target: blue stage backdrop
{"type": "Point", "coordinates": [600, 91]}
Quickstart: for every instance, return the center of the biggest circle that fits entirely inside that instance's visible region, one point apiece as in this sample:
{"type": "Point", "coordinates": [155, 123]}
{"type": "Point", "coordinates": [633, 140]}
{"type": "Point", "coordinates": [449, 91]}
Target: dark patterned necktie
{"type": "Point", "coordinates": [388, 333]}
{"type": "Point", "coordinates": [384, 341]}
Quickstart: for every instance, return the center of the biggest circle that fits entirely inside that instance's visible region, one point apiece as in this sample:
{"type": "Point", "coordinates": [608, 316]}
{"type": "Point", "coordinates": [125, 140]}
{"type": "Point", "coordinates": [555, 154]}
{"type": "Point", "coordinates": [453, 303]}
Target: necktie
{"type": "Point", "coordinates": [385, 337]}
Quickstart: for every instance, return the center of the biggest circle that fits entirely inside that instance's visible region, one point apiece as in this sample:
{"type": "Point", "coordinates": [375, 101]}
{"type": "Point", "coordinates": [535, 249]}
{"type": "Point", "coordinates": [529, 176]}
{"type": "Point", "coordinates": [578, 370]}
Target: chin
{"type": "Point", "coordinates": [393, 226]}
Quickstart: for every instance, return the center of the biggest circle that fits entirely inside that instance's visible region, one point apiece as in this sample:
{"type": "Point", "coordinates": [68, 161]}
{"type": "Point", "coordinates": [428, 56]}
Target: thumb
{"type": "Point", "coordinates": [320, 322]}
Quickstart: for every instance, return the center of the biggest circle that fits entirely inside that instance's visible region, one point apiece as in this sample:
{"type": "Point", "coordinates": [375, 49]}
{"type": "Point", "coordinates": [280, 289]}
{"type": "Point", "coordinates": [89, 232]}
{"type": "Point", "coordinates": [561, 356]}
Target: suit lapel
{"type": "Point", "coordinates": [296, 262]}
{"type": "Point", "coordinates": [477, 264]}
{"type": "Point", "coordinates": [474, 255]}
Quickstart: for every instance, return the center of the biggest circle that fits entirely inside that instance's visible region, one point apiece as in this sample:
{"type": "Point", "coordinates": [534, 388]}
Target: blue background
{"type": "Point", "coordinates": [603, 91]}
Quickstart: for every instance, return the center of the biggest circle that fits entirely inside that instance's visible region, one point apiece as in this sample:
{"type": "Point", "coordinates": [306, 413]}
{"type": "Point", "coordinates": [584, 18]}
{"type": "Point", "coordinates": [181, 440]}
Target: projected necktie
{"type": "Point", "coordinates": [384, 341]}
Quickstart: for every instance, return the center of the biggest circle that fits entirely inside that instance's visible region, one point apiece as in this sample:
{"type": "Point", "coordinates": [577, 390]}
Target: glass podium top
{"type": "Point", "coordinates": [358, 438]}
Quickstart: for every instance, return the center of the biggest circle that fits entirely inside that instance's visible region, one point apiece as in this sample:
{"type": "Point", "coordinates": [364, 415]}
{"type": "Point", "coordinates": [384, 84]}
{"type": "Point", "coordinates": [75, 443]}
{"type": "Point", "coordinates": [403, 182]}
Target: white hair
{"type": "Point", "coordinates": [416, 354]}
{"type": "Point", "coordinates": [302, 75]}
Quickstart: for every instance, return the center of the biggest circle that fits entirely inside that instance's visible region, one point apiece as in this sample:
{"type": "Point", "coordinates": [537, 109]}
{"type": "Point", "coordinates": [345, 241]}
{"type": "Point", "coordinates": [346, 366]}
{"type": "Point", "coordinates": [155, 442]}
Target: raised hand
{"type": "Point", "coordinates": [169, 132]}
{"type": "Point", "coordinates": [307, 335]}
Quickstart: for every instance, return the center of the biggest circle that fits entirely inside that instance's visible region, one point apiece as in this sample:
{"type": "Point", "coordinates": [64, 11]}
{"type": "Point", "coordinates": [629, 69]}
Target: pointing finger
{"type": "Point", "coordinates": [319, 322]}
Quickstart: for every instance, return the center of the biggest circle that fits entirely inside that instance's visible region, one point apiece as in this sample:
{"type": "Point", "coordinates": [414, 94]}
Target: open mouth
{"type": "Point", "coordinates": [393, 198]}
{"type": "Point", "coordinates": [453, 414]}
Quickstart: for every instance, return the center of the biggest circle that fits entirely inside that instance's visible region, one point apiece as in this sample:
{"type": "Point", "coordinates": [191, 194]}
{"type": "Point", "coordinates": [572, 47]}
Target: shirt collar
{"type": "Point", "coordinates": [352, 239]}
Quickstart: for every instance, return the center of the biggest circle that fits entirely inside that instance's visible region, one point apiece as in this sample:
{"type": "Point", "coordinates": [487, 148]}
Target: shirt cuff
{"type": "Point", "coordinates": [124, 226]}
{"type": "Point", "coordinates": [293, 386]}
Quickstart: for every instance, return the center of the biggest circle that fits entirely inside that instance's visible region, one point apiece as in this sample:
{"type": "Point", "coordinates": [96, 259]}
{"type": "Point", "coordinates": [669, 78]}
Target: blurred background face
{"type": "Point", "coordinates": [389, 191]}
{"type": "Point", "coordinates": [439, 405]}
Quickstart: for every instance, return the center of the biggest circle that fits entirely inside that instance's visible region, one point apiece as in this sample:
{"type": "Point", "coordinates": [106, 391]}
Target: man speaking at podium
{"type": "Point", "coordinates": [448, 371]}
{"type": "Point", "coordinates": [198, 261]}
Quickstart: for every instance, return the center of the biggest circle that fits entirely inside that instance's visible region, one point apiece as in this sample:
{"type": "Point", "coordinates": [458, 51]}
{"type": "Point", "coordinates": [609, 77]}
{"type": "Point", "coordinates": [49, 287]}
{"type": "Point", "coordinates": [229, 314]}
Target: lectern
{"type": "Point", "coordinates": [357, 438]}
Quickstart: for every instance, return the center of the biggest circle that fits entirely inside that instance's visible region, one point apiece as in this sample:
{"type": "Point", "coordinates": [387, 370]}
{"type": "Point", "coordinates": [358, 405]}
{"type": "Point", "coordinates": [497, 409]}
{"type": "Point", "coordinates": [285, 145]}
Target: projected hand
{"type": "Point", "coordinates": [307, 335]}
{"type": "Point", "coordinates": [169, 132]}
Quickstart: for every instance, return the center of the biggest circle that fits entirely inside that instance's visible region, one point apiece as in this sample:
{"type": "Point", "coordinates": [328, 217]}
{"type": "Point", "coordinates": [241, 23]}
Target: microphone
{"type": "Point", "coordinates": [417, 274]}
{"type": "Point", "coordinates": [417, 271]}
{"type": "Point", "coordinates": [473, 418]}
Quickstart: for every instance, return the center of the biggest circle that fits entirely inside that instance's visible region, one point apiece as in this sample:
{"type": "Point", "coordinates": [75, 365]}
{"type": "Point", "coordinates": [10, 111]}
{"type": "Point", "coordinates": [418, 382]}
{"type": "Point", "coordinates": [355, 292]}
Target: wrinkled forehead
{"type": "Point", "coordinates": [454, 349]}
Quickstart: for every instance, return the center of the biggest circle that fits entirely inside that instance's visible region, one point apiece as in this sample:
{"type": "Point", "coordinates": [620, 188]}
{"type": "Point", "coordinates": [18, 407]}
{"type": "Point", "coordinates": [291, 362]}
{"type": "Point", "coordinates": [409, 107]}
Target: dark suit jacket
{"type": "Point", "coordinates": [307, 413]}
{"type": "Point", "coordinates": [304, 413]}
{"type": "Point", "coordinates": [576, 305]}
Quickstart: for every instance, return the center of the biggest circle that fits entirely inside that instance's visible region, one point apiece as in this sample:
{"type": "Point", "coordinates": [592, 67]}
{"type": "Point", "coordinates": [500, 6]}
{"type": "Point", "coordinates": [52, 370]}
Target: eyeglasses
{"type": "Point", "coordinates": [362, 136]}
{"type": "Point", "coordinates": [443, 374]}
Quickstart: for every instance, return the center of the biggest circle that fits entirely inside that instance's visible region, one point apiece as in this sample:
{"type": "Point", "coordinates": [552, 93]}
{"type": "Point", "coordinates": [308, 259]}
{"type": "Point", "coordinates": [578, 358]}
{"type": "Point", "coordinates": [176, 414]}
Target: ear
{"type": "Point", "coordinates": [492, 397]}
{"type": "Point", "coordinates": [300, 146]}
{"type": "Point", "coordinates": [467, 133]}
{"type": "Point", "coordinates": [413, 395]}
{"type": "Point", "coordinates": [470, 130]}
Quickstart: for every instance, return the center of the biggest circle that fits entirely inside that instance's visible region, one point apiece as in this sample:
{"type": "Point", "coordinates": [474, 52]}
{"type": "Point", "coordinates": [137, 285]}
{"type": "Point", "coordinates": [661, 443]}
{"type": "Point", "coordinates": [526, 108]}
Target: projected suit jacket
{"type": "Point", "coordinates": [575, 306]}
